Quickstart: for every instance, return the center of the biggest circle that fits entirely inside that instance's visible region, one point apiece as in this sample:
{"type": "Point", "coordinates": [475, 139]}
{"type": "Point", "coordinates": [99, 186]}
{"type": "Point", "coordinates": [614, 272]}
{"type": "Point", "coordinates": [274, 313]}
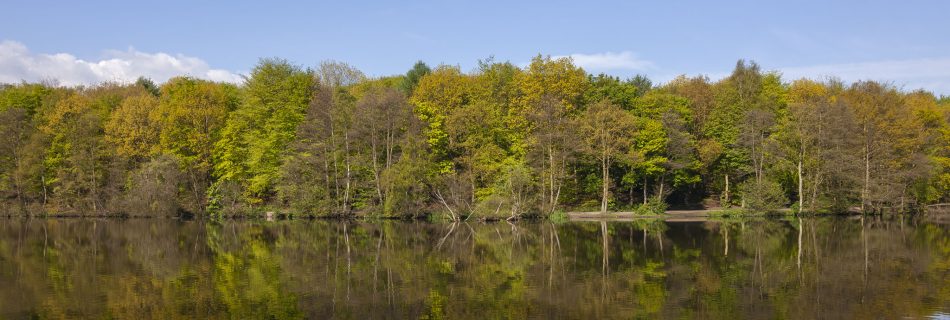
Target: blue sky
{"type": "Point", "coordinates": [907, 42]}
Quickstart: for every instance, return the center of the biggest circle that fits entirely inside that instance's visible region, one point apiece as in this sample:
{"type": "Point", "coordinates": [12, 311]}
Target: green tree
{"type": "Point", "coordinates": [553, 147]}
{"type": "Point", "coordinates": [382, 118]}
{"type": "Point", "coordinates": [437, 95]}
{"type": "Point", "coordinates": [891, 142]}
{"type": "Point", "coordinates": [276, 96]}
{"type": "Point", "coordinates": [149, 86]}
{"type": "Point", "coordinates": [558, 79]}
{"type": "Point", "coordinates": [608, 136]}
{"type": "Point", "coordinates": [412, 77]}
{"type": "Point", "coordinates": [747, 103]}
{"type": "Point", "coordinates": [133, 128]}
{"type": "Point", "coordinates": [621, 93]}
{"type": "Point", "coordinates": [664, 146]}
{"type": "Point", "coordinates": [18, 104]}
{"type": "Point", "coordinates": [552, 94]}
{"type": "Point", "coordinates": [77, 155]}
{"type": "Point", "coordinates": [191, 114]}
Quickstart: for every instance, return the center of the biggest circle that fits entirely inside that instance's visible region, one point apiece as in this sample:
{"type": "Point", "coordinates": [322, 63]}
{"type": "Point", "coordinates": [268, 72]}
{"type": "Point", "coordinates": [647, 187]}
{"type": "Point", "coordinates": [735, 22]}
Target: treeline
{"type": "Point", "coordinates": [498, 142]}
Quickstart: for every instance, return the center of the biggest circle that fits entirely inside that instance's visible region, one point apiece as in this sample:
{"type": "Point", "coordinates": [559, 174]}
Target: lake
{"type": "Point", "coordinates": [792, 268]}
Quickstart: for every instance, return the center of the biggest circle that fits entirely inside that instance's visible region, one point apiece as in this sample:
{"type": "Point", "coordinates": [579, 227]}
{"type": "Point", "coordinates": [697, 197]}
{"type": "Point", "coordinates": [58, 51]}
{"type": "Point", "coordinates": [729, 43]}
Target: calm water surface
{"type": "Point", "coordinates": [830, 268]}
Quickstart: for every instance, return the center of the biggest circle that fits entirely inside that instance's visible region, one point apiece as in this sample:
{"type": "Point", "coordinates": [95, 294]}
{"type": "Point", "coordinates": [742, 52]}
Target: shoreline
{"type": "Point", "coordinates": [690, 215]}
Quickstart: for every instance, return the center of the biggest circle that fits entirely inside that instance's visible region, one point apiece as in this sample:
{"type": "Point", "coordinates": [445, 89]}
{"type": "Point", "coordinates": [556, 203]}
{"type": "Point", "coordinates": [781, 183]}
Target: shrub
{"type": "Point", "coordinates": [764, 195]}
{"type": "Point", "coordinates": [152, 189]}
{"type": "Point", "coordinates": [559, 216]}
{"type": "Point", "coordinates": [651, 207]}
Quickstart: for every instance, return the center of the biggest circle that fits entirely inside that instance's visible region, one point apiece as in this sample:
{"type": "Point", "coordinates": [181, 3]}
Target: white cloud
{"type": "Point", "coordinates": [624, 60]}
{"type": "Point", "coordinates": [930, 74]}
{"type": "Point", "coordinates": [17, 64]}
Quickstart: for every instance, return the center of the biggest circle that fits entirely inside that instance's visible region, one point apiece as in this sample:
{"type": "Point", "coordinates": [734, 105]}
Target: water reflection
{"type": "Point", "coordinates": [797, 268]}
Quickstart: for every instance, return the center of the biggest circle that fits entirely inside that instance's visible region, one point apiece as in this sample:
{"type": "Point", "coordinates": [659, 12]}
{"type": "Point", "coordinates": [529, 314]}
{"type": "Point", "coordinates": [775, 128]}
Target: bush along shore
{"type": "Point", "coordinates": [500, 142]}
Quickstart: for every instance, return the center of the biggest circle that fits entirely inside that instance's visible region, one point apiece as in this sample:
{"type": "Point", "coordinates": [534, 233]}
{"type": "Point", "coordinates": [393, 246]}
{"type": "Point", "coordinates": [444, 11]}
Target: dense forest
{"type": "Point", "coordinates": [498, 142]}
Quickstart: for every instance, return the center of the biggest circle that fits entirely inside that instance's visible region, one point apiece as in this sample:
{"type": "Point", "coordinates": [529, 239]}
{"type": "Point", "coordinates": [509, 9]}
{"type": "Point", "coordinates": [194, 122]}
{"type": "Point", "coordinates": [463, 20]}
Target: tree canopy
{"type": "Point", "coordinates": [497, 142]}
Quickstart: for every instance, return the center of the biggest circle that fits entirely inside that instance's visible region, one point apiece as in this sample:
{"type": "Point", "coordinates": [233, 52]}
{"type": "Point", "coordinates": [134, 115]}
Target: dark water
{"type": "Point", "coordinates": [163, 269]}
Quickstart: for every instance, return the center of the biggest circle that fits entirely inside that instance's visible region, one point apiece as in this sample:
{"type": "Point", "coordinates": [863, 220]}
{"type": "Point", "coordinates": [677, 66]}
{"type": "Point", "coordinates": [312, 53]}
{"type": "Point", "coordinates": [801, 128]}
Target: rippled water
{"type": "Point", "coordinates": [160, 268]}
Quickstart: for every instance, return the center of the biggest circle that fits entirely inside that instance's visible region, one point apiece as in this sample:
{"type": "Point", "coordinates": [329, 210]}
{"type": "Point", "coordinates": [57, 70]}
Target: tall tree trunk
{"type": "Point", "coordinates": [326, 166]}
{"type": "Point", "coordinates": [801, 195]}
{"type": "Point", "coordinates": [557, 193]}
{"type": "Point", "coordinates": [376, 171]}
{"type": "Point", "coordinates": [727, 191]}
{"type": "Point", "coordinates": [336, 165]}
{"type": "Point", "coordinates": [630, 196]}
{"type": "Point", "coordinates": [390, 142]}
{"type": "Point", "coordinates": [606, 178]}
{"type": "Point", "coordinates": [755, 160]}
{"type": "Point", "coordinates": [553, 188]}
{"type": "Point", "coordinates": [646, 186]}
{"type": "Point", "coordinates": [43, 181]}
{"type": "Point", "coordinates": [16, 176]}
{"type": "Point", "coordinates": [346, 159]}
{"type": "Point", "coordinates": [865, 193]}
{"type": "Point", "coordinates": [194, 189]}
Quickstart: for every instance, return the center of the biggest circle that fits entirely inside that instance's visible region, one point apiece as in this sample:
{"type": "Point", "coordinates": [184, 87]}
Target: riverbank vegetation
{"type": "Point", "coordinates": [497, 142]}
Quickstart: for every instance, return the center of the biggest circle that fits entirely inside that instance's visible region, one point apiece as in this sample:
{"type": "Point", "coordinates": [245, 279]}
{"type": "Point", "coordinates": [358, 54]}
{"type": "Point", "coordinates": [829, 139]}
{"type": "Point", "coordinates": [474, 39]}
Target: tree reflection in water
{"type": "Point", "coordinates": [160, 268]}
